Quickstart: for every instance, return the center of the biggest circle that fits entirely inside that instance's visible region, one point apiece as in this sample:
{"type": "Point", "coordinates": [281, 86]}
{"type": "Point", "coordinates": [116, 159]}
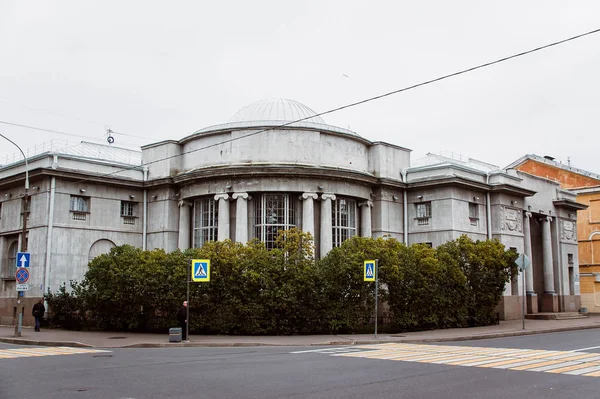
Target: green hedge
{"type": "Point", "coordinates": [285, 291]}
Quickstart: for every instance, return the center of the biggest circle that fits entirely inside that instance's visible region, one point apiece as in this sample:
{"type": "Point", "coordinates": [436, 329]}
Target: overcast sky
{"type": "Point", "coordinates": [161, 70]}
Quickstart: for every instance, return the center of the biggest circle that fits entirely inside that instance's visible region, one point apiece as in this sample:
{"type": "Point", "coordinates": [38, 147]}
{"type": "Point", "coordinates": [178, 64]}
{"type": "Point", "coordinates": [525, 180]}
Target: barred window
{"type": "Point", "coordinates": [343, 220]}
{"type": "Point", "coordinates": [206, 219]}
{"type": "Point", "coordinates": [128, 208]}
{"type": "Point", "coordinates": [79, 204]}
{"type": "Point", "coordinates": [273, 213]}
{"type": "Point", "coordinates": [423, 213]}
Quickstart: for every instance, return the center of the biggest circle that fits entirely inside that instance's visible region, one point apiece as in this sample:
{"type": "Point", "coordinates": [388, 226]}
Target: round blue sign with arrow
{"type": "Point", "coordinates": [22, 275]}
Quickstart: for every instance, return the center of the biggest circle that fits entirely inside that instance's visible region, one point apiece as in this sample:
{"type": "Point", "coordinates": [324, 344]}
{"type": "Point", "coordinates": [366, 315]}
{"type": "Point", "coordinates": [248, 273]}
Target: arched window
{"type": "Point", "coordinates": [100, 247]}
{"type": "Point", "coordinates": [272, 213]}
{"type": "Point", "coordinates": [343, 220]}
{"type": "Point", "coordinates": [206, 221]}
{"type": "Point", "coordinates": [8, 269]}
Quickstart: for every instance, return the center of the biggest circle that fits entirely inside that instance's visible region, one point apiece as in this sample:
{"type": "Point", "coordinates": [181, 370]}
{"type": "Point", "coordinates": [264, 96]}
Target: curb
{"type": "Point", "coordinates": [498, 335]}
{"type": "Point", "coordinates": [22, 341]}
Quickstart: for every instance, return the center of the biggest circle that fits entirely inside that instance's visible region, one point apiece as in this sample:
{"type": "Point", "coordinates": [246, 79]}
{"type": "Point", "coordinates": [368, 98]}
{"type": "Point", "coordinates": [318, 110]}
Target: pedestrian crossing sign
{"type": "Point", "coordinates": [201, 270]}
{"type": "Point", "coordinates": [369, 271]}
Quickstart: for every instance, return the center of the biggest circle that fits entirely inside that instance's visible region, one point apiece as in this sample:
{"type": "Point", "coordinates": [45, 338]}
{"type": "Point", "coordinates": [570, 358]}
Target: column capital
{"type": "Point", "coordinates": [182, 203]}
{"type": "Point", "coordinates": [528, 214]}
{"type": "Point", "coordinates": [221, 197]}
{"type": "Point", "coordinates": [366, 203]}
{"type": "Point", "coordinates": [306, 196]}
{"type": "Point", "coordinates": [245, 196]}
{"type": "Point", "coordinates": [546, 219]}
{"type": "Point", "coordinates": [326, 197]}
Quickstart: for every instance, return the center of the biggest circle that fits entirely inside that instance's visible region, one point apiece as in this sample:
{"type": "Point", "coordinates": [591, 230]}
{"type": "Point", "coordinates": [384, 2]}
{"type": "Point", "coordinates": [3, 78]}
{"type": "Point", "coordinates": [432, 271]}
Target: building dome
{"type": "Point", "coordinates": [276, 109]}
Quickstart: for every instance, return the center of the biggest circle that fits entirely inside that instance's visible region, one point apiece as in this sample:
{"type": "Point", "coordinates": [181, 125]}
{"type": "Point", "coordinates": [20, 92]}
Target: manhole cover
{"type": "Point", "coordinates": [117, 337]}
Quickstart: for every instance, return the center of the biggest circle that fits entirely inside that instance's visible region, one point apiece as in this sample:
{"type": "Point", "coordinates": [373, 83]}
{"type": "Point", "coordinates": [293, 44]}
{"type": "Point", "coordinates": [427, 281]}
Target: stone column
{"type": "Point", "coordinates": [185, 217]}
{"type": "Point", "coordinates": [223, 223]}
{"type": "Point", "coordinates": [550, 299]}
{"type": "Point", "coordinates": [241, 217]}
{"type": "Point", "coordinates": [532, 304]}
{"type": "Point", "coordinates": [326, 234]}
{"type": "Point", "coordinates": [365, 216]}
{"type": "Point", "coordinates": [308, 212]}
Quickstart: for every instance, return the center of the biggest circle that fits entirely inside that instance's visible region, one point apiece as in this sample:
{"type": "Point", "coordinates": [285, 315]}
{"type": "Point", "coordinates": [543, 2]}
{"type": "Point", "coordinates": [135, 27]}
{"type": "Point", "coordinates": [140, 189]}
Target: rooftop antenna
{"type": "Point", "coordinates": [109, 138]}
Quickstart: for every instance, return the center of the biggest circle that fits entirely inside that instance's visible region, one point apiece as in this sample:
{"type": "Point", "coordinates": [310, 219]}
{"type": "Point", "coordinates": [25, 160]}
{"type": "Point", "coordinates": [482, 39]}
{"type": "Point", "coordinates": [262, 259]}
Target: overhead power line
{"type": "Point", "coordinates": [350, 105]}
{"type": "Point", "coordinates": [390, 93]}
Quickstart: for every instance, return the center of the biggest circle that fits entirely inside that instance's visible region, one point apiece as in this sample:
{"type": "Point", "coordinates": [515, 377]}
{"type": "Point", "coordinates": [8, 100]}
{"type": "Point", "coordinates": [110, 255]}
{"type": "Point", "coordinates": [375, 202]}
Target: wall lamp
{"type": "Point", "coordinates": [320, 187]}
{"type": "Point", "coordinates": [82, 190]}
{"type": "Point", "coordinates": [131, 196]}
{"type": "Point", "coordinates": [36, 188]}
{"type": "Point", "coordinates": [395, 197]}
{"type": "Point", "coordinates": [419, 196]}
{"type": "Point", "coordinates": [154, 197]}
{"type": "Point", "coordinates": [228, 187]}
{"type": "Point", "coordinates": [513, 202]}
{"type": "Point", "coordinates": [475, 198]}
{"type": "Point", "coordinates": [8, 195]}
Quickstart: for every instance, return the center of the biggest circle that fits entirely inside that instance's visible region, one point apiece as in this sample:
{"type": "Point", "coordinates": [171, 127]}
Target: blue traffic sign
{"type": "Point", "coordinates": [201, 270]}
{"type": "Point", "coordinates": [369, 270]}
{"type": "Point", "coordinates": [22, 275]}
{"type": "Point", "coordinates": [23, 259]}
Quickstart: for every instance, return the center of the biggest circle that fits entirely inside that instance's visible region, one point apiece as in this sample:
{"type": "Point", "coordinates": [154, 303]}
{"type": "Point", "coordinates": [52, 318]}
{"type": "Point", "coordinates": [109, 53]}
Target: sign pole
{"type": "Point", "coordinates": [524, 297]}
{"type": "Point", "coordinates": [187, 308]}
{"type": "Point", "coordinates": [376, 292]}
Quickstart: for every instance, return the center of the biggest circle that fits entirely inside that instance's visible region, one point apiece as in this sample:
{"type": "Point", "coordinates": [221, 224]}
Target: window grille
{"type": "Point", "coordinates": [343, 220]}
{"type": "Point", "coordinates": [206, 219]}
{"type": "Point", "coordinates": [273, 213]}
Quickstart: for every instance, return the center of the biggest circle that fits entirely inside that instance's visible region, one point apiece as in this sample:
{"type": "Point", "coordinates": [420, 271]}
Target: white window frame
{"type": "Point", "coordinates": [206, 221]}
{"type": "Point", "coordinates": [343, 220]}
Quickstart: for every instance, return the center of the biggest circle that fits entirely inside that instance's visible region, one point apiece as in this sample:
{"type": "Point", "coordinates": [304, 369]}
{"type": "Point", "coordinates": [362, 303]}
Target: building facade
{"type": "Point", "coordinates": [262, 172]}
{"type": "Point", "coordinates": [586, 185]}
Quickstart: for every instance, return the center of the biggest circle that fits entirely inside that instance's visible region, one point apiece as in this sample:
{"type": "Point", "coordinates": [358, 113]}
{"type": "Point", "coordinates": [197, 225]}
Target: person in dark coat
{"type": "Point", "coordinates": [182, 319]}
{"type": "Point", "coordinates": [38, 312]}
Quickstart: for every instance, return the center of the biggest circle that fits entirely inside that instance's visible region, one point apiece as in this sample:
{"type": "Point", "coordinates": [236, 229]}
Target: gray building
{"type": "Point", "coordinates": [263, 172]}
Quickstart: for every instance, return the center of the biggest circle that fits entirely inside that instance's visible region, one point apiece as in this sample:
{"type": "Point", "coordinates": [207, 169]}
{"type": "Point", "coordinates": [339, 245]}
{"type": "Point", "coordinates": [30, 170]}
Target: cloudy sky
{"type": "Point", "coordinates": [155, 70]}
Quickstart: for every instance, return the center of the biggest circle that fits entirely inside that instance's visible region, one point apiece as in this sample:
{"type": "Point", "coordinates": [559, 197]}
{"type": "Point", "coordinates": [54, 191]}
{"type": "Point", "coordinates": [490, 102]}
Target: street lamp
{"type": "Point", "coordinates": [19, 324]}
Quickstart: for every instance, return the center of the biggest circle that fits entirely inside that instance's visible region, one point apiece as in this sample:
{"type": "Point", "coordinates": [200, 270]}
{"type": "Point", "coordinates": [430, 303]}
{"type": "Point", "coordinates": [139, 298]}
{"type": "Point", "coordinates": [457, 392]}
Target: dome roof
{"type": "Point", "coordinates": [276, 109]}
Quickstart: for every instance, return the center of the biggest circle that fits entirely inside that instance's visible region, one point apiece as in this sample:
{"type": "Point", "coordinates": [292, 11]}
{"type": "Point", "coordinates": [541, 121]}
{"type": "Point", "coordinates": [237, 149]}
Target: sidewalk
{"type": "Point", "coordinates": [57, 337]}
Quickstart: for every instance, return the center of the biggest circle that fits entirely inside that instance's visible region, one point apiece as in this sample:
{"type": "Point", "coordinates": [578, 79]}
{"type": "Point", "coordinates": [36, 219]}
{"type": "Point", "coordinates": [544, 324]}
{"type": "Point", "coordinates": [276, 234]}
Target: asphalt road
{"type": "Point", "coordinates": [276, 372]}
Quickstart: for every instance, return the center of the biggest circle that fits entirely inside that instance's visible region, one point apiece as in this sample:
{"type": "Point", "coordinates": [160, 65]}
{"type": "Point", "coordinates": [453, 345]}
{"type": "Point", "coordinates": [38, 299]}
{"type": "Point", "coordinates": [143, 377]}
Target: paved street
{"type": "Point", "coordinates": [541, 366]}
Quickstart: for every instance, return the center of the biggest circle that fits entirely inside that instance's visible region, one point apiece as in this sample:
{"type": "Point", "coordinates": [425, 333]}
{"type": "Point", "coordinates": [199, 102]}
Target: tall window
{"type": "Point", "coordinates": [272, 213]}
{"type": "Point", "coordinates": [206, 219]}
{"type": "Point", "coordinates": [343, 220]}
{"type": "Point", "coordinates": [473, 213]}
{"type": "Point", "coordinates": [8, 271]}
{"type": "Point", "coordinates": [423, 213]}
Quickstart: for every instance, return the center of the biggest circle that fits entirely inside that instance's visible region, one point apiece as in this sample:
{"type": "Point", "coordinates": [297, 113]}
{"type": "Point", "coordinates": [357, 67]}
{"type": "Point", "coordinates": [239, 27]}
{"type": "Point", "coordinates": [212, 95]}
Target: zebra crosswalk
{"type": "Point", "coordinates": [547, 361]}
{"type": "Point", "coordinates": [14, 353]}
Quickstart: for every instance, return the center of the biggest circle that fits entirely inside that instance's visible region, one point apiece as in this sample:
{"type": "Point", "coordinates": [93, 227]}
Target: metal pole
{"type": "Point", "coordinates": [524, 297]}
{"type": "Point", "coordinates": [376, 290]}
{"type": "Point", "coordinates": [23, 239]}
{"type": "Point", "coordinates": [187, 308]}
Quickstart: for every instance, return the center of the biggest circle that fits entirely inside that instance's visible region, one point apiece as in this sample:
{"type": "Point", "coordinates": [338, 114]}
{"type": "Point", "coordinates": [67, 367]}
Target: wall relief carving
{"type": "Point", "coordinates": [568, 230]}
{"type": "Point", "coordinates": [511, 218]}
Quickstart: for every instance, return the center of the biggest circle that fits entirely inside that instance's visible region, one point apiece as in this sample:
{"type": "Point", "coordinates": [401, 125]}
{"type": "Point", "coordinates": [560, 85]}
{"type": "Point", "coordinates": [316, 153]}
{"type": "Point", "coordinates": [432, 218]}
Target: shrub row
{"type": "Point", "coordinates": [253, 290]}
